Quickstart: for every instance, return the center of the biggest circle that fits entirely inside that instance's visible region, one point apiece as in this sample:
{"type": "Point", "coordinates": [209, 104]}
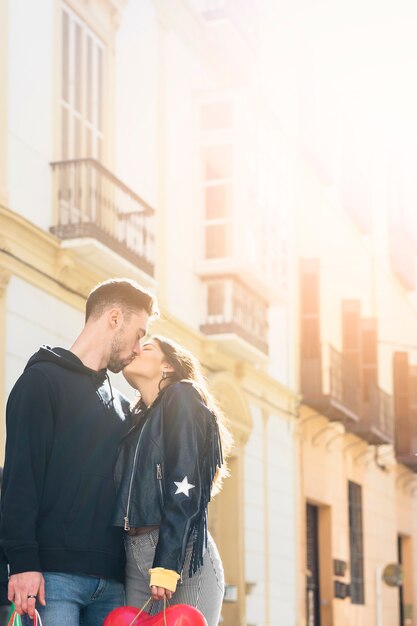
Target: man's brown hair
{"type": "Point", "coordinates": [122, 292]}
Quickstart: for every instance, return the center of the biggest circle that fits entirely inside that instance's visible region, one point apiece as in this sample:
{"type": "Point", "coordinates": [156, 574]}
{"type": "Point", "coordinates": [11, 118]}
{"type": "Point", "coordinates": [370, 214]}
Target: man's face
{"type": "Point", "coordinates": [126, 342]}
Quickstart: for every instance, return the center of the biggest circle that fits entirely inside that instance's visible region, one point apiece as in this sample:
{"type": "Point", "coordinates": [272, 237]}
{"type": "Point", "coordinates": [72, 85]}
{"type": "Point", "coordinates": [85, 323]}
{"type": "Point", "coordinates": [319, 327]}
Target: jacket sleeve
{"type": "Point", "coordinates": [29, 439]}
{"type": "Point", "coordinates": [184, 435]}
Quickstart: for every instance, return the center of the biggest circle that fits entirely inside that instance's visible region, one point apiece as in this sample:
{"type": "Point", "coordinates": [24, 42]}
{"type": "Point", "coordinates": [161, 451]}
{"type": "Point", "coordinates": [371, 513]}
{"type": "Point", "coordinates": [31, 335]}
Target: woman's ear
{"type": "Point", "coordinates": [167, 367]}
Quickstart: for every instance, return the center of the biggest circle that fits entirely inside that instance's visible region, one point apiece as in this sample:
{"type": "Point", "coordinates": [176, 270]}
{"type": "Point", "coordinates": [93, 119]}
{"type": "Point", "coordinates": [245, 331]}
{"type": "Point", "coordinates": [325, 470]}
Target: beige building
{"type": "Point", "coordinates": [143, 139]}
{"type": "Point", "coordinates": [129, 147]}
{"type": "Point", "coordinates": [357, 345]}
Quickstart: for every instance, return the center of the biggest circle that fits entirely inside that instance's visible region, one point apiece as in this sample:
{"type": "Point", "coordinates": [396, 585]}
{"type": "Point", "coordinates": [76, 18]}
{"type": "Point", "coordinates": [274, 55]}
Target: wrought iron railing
{"type": "Point", "coordinates": [329, 383]}
{"type": "Point", "coordinates": [231, 307]}
{"type": "Point", "coordinates": [377, 417]}
{"type": "Point", "coordinates": [344, 383]}
{"type": "Point", "coordinates": [386, 421]}
{"type": "Point", "coordinates": [89, 201]}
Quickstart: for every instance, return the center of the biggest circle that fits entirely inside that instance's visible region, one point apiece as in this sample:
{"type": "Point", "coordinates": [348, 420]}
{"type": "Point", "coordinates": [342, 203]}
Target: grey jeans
{"type": "Point", "coordinates": [204, 590]}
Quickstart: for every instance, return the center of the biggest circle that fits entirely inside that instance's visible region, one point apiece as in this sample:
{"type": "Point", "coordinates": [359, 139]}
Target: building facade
{"type": "Point", "coordinates": [147, 139]}
{"type": "Point", "coordinates": [133, 145]}
{"type": "Point", "coordinates": [357, 350]}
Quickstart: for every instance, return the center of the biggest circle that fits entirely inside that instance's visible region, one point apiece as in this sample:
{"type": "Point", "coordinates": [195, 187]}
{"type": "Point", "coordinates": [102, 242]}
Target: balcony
{"type": "Point", "coordinates": [406, 441]}
{"type": "Point", "coordinates": [405, 403]}
{"type": "Point", "coordinates": [330, 385]}
{"type": "Point", "coordinates": [97, 213]}
{"type": "Point", "coordinates": [237, 317]}
{"type": "Point", "coordinates": [376, 422]}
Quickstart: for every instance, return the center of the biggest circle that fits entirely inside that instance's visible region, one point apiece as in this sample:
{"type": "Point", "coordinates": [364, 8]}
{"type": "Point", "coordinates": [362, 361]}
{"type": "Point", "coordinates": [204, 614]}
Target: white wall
{"type": "Point", "coordinates": [137, 75]}
{"type": "Point", "coordinates": [269, 467]}
{"type": "Point", "coordinates": [34, 318]}
{"type": "Point", "coordinates": [281, 348]}
{"type": "Point", "coordinates": [31, 58]}
{"type": "Point", "coordinates": [157, 79]}
{"type": "Point", "coordinates": [254, 477]}
{"type": "Point", "coordinates": [183, 219]}
{"type": "Point", "coordinates": [282, 522]}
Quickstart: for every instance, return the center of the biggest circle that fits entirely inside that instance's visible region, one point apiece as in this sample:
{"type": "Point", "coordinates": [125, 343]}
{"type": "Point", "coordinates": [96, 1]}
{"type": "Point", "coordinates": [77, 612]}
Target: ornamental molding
{"type": "Point", "coordinates": [4, 244]}
{"type": "Point", "coordinates": [4, 281]}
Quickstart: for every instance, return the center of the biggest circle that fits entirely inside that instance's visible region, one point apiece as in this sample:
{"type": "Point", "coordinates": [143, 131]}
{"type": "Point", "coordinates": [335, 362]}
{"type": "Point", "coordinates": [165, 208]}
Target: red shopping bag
{"type": "Point", "coordinates": [176, 615]}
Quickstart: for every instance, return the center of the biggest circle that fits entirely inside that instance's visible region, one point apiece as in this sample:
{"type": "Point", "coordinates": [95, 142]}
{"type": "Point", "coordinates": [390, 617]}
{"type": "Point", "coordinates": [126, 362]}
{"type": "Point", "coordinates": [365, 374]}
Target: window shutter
{"type": "Point", "coordinates": [369, 358]}
{"type": "Point", "coordinates": [412, 417]}
{"type": "Point", "coordinates": [401, 386]}
{"type": "Point", "coordinates": [310, 348]}
{"type": "Point", "coordinates": [310, 309]}
{"type": "Point", "coordinates": [351, 330]}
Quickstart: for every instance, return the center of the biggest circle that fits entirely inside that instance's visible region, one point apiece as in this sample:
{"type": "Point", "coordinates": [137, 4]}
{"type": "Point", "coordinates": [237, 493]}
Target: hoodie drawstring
{"type": "Point", "coordinates": [110, 402]}
{"type": "Point", "coordinates": [107, 403]}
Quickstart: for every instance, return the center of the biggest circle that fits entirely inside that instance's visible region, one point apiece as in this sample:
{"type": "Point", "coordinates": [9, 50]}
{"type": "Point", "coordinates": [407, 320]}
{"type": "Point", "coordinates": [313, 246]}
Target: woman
{"type": "Point", "coordinates": [171, 462]}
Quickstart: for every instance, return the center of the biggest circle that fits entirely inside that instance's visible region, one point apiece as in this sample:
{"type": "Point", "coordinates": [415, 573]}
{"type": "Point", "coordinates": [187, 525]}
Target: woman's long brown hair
{"type": "Point", "coordinates": [187, 367]}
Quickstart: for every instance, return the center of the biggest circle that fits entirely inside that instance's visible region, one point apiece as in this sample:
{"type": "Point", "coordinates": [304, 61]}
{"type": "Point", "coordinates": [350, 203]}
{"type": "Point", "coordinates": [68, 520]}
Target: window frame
{"type": "Point", "coordinates": [81, 98]}
{"type": "Point", "coordinates": [357, 578]}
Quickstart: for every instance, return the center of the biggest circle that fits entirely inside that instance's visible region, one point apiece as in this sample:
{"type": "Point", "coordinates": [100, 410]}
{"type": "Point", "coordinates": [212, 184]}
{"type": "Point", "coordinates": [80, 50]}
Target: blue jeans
{"type": "Point", "coordinates": [79, 600]}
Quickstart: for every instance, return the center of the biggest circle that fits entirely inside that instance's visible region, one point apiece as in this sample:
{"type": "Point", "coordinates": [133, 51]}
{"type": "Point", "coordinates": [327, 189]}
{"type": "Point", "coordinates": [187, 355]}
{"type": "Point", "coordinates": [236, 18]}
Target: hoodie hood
{"type": "Point", "coordinates": [66, 359]}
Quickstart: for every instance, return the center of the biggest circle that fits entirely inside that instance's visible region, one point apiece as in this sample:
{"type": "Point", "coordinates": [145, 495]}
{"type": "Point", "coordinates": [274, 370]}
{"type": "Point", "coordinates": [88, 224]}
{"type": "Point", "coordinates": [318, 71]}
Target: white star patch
{"type": "Point", "coordinates": [184, 486]}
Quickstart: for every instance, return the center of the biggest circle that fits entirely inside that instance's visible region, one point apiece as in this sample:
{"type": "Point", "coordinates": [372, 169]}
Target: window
{"type": "Point", "coordinates": [82, 90]}
{"type": "Point", "coordinates": [310, 309]}
{"type": "Point", "coordinates": [217, 240]}
{"type": "Point", "coordinates": [357, 591]}
{"type": "Point", "coordinates": [217, 178]}
{"type": "Point", "coordinates": [218, 162]}
{"type": "Point", "coordinates": [369, 358]}
{"type": "Point", "coordinates": [218, 201]}
{"type": "Point", "coordinates": [216, 116]}
{"type": "Point", "coordinates": [351, 327]}
{"type": "Point", "coordinates": [215, 302]}
{"type": "Point", "coordinates": [313, 577]}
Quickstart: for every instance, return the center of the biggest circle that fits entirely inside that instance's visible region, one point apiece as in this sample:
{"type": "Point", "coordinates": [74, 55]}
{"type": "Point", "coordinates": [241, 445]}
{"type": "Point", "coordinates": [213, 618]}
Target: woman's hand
{"type": "Point", "coordinates": [159, 593]}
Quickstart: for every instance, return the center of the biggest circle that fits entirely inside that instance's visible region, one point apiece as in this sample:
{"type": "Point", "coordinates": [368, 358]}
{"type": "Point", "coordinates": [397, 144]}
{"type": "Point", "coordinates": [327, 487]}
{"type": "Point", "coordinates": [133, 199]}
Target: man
{"type": "Point", "coordinates": [4, 576]}
{"type": "Point", "coordinates": [64, 426]}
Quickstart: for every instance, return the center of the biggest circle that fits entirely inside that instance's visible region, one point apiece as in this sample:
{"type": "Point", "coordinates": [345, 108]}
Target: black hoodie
{"type": "Point", "coordinates": [64, 426]}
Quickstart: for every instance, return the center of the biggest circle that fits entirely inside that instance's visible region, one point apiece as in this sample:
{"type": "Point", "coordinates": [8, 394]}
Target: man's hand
{"type": "Point", "coordinates": [159, 593]}
{"type": "Point", "coordinates": [24, 590]}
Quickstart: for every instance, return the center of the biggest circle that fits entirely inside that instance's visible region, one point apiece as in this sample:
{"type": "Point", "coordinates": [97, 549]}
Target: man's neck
{"type": "Point", "coordinates": [90, 348]}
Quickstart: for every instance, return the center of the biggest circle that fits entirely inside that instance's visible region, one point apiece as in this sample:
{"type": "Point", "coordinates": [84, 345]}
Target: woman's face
{"type": "Point", "coordinates": [148, 365]}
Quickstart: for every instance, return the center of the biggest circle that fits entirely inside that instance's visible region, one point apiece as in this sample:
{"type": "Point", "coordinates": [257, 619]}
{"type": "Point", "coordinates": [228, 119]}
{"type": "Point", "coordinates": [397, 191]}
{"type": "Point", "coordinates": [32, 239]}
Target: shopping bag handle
{"type": "Point", "coordinates": [143, 608]}
{"type": "Point", "coordinates": [16, 620]}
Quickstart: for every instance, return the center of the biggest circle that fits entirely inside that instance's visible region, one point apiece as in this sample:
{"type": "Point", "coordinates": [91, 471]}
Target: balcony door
{"type": "Point", "coordinates": [82, 58]}
{"type": "Point", "coordinates": [313, 582]}
{"type": "Point", "coordinates": [406, 589]}
{"type": "Point", "coordinates": [79, 187]}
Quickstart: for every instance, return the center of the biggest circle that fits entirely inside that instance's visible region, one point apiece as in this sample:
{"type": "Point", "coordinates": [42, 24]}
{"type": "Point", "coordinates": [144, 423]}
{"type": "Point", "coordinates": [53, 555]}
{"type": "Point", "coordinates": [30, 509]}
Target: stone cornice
{"type": "Point", "coordinates": [102, 16]}
{"type": "Point", "coordinates": [4, 281]}
{"type": "Point", "coordinates": [35, 255]}
{"type": "Point", "coordinates": [178, 16]}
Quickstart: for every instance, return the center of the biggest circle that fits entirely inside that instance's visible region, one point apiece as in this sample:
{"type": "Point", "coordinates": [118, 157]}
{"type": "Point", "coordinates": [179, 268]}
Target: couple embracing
{"type": "Point", "coordinates": [104, 502]}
